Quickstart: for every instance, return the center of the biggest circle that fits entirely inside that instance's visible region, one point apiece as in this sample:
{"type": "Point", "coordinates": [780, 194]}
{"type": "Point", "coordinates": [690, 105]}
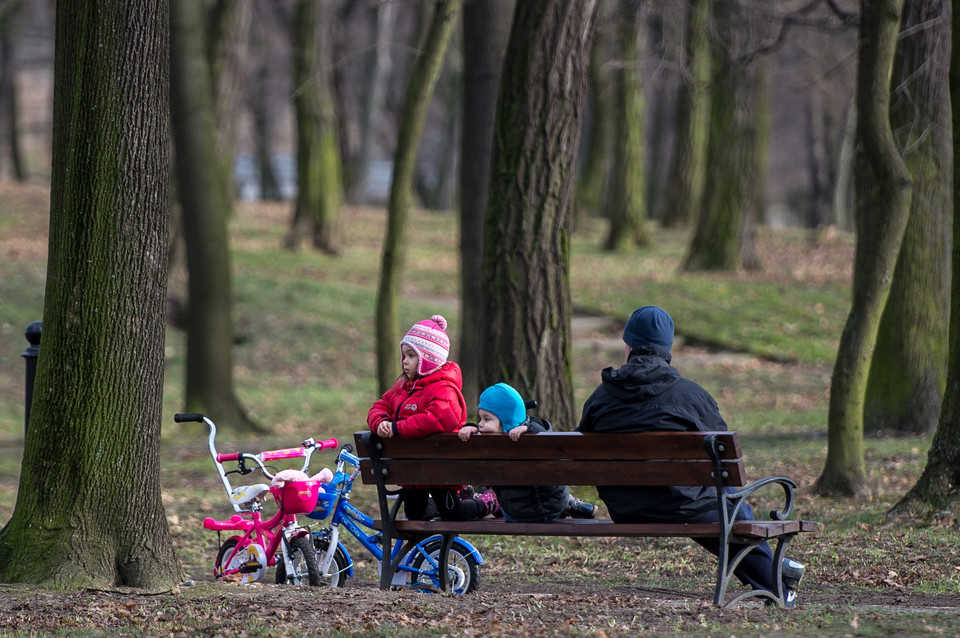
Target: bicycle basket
{"type": "Point", "coordinates": [296, 497]}
{"type": "Point", "coordinates": [324, 506]}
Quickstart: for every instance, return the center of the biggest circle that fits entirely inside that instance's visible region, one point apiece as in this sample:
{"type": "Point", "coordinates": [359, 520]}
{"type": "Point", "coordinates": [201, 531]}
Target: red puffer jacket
{"type": "Point", "coordinates": [428, 405]}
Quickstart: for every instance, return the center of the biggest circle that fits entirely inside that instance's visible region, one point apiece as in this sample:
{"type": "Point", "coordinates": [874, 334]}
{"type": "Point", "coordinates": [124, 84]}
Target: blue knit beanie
{"type": "Point", "coordinates": [649, 326]}
{"type": "Point", "coordinates": [505, 403]}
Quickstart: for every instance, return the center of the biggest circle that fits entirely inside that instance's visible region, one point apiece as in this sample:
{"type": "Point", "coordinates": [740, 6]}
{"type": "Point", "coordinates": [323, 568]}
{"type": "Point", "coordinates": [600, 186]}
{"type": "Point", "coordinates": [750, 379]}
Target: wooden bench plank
{"type": "Point", "coordinates": [553, 472]}
{"type": "Point", "coordinates": [638, 446]}
{"type": "Point", "coordinates": [599, 528]}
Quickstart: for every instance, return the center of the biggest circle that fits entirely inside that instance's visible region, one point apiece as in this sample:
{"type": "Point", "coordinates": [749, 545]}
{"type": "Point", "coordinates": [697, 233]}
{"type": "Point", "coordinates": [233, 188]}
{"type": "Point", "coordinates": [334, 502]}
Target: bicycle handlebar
{"type": "Point", "coordinates": [273, 455]}
{"type": "Point", "coordinates": [188, 416]}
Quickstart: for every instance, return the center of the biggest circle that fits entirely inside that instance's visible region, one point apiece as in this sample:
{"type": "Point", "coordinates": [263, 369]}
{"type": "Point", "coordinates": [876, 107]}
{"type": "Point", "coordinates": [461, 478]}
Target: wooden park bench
{"type": "Point", "coordinates": [711, 459]}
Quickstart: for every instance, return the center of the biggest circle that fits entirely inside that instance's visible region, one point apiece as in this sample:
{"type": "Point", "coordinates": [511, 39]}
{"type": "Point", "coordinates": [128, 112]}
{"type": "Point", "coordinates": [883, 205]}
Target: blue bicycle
{"type": "Point", "coordinates": [417, 570]}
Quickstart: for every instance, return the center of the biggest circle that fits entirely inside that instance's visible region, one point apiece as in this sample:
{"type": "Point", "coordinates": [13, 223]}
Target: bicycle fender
{"type": "Point", "coordinates": [465, 548]}
{"type": "Point", "coordinates": [346, 553]}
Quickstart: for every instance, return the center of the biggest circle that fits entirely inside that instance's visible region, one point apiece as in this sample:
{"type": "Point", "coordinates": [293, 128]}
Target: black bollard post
{"type": "Point", "coordinates": [32, 333]}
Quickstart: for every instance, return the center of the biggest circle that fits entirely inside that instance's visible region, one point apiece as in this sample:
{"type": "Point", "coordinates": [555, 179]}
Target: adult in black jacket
{"type": "Point", "coordinates": [645, 394]}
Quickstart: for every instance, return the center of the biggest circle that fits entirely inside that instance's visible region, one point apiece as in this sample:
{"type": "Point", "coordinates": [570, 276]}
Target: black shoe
{"type": "Point", "coordinates": [580, 509]}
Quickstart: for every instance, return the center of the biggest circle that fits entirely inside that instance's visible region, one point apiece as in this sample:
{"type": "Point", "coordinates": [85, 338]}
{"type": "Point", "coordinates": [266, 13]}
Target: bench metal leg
{"type": "Point", "coordinates": [726, 568]}
{"type": "Point", "coordinates": [443, 563]}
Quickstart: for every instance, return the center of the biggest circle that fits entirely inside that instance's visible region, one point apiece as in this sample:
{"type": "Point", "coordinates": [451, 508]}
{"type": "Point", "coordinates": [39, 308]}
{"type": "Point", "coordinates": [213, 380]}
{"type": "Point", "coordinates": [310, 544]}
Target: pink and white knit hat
{"type": "Point", "coordinates": [430, 340]}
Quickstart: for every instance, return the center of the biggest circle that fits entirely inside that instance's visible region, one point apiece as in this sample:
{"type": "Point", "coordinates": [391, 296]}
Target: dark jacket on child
{"type": "Point", "coordinates": [645, 394]}
{"type": "Point", "coordinates": [533, 503]}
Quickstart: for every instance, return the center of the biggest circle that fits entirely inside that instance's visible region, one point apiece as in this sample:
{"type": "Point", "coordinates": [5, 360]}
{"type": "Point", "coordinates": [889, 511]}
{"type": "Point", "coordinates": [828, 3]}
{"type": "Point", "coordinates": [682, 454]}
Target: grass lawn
{"type": "Point", "coordinates": [762, 342]}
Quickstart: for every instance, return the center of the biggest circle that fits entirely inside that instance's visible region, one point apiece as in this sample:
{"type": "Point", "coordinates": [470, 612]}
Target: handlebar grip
{"type": "Point", "coordinates": [530, 404]}
{"type": "Point", "coordinates": [188, 416]}
{"type": "Point", "coordinates": [228, 457]}
{"type": "Point", "coordinates": [322, 445]}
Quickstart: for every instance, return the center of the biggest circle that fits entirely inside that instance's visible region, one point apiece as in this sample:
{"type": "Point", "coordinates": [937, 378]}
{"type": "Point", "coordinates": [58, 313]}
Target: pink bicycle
{"type": "Point", "coordinates": [262, 543]}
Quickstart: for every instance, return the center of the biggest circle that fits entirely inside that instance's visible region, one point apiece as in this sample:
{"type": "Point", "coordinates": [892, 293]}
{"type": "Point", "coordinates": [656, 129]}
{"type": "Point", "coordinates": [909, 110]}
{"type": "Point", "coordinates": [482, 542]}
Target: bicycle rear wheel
{"type": "Point", "coordinates": [304, 560]}
{"type": "Point", "coordinates": [463, 572]}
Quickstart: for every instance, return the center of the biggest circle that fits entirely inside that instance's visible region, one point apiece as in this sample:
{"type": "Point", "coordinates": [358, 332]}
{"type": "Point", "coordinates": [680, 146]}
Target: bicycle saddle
{"type": "Point", "coordinates": [246, 494]}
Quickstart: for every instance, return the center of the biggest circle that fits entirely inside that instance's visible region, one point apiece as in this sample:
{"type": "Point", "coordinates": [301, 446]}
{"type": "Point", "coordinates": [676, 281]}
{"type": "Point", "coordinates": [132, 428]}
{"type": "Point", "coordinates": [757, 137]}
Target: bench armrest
{"type": "Point", "coordinates": [738, 497]}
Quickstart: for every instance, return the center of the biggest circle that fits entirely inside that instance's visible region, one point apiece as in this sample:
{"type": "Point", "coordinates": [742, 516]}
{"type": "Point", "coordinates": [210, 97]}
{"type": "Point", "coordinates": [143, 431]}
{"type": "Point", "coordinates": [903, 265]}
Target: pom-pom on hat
{"type": "Point", "coordinates": [505, 403]}
{"type": "Point", "coordinates": [649, 326]}
{"type": "Point", "coordinates": [429, 338]}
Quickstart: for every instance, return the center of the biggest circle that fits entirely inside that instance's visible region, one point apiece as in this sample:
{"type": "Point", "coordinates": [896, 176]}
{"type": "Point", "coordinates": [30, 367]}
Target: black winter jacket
{"type": "Point", "coordinates": [645, 394]}
{"type": "Point", "coordinates": [526, 504]}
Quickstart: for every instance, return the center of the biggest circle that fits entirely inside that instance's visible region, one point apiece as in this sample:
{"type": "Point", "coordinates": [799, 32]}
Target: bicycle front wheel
{"type": "Point", "coordinates": [463, 572]}
{"type": "Point", "coordinates": [336, 574]}
{"type": "Point", "coordinates": [304, 560]}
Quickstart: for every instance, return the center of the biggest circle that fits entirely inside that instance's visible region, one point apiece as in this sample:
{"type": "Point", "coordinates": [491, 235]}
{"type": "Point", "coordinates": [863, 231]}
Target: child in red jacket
{"type": "Point", "coordinates": [426, 399]}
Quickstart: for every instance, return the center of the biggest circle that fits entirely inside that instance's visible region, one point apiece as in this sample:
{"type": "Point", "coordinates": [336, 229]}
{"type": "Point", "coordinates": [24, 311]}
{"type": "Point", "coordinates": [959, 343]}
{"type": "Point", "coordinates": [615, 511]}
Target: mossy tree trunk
{"type": "Point", "coordinates": [426, 70]}
{"type": "Point", "coordinates": [938, 488]}
{"type": "Point", "coordinates": [486, 29]}
{"type": "Point", "coordinates": [881, 219]}
{"type": "Point", "coordinates": [319, 186]}
{"type": "Point", "coordinates": [685, 181]}
{"type": "Point", "coordinates": [908, 369]}
{"type": "Point", "coordinates": [627, 210]}
{"type": "Point", "coordinates": [733, 148]}
{"type": "Point", "coordinates": [89, 511]}
{"type": "Point", "coordinates": [206, 210]}
{"type": "Point", "coordinates": [526, 269]}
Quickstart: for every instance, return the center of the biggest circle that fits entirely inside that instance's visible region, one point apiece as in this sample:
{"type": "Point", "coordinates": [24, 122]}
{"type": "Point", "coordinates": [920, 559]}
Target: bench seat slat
{"type": "Point", "coordinates": [553, 472]}
{"type": "Point", "coordinates": [742, 529]}
{"type": "Point", "coordinates": [638, 446]}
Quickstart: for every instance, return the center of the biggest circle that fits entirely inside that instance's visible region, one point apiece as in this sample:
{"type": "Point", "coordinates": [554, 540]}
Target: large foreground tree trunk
{"type": "Point", "coordinates": [939, 486]}
{"type": "Point", "coordinates": [526, 270]}
{"type": "Point", "coordinates": [881, 217]}
{"type": "Point", "coordinates": [486, 30]}
{"type": "Point", "coordinates": [909, 364]}
{"type": "Point", "coordinates": [424, 78]}
{"type": "Point", "coordinates": [89, 512]}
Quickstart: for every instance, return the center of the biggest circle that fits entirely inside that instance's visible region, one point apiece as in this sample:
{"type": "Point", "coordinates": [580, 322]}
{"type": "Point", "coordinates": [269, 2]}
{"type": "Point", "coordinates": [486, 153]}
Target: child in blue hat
{"type": "Point", "coordinates": [501, 410]}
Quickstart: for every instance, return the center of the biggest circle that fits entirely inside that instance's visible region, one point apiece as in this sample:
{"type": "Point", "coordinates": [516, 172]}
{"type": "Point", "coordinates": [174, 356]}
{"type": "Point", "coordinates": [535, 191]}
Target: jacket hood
{"type": "Point", "coordinates": [641, 378]}
{"type": "Point", "coordinates": [449, 372]}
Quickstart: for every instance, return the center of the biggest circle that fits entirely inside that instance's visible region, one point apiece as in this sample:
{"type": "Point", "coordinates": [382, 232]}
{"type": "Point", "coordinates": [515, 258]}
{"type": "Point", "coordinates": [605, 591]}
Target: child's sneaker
{"type": "Point", "coordinates": [580, 509]}
{"type": "Point", "coordinates": [792, 572]}
{"type": "Point", "coordinates": [790, 600]}
{"type": "Point", "coordinates": [488, 498]}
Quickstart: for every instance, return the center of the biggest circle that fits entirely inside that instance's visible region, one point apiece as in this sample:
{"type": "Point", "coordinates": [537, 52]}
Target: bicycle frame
{"type": "Point", "coordinates": [261, 540]}
{"type": "Point", "coordinates": [360, 526]}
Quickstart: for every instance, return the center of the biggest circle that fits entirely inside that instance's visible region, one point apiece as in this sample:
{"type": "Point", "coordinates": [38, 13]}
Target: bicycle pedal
{"type": "Point", "coordinates": [250, 567]}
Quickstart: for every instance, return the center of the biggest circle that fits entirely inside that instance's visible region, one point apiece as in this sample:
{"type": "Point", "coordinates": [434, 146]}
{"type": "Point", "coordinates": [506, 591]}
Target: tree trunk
{"type": "Point", "coordinates": [908, 369]}
{"type": "Point", "coordinates": [486, 29]}
{"type": "Point", "coordinates": [205, 213]}
{"type": "Point", "coordinates": [939, 485]}
{"type": "Point", "coordinates": [525, 321]}
{"type": "Point", "coordinates": [593, 175]}
{"type": "Point", "coordinates": [733, 151]}
{"type": "Point", "coordinates": [89, 511]}
{"type": "Point", "coordinates": [422, 81]}
{"type": "Point", "coordinates": [685, 183]}
{"type": "Point", "coordinates": [627, 211]}
{"type": "Point", "coordinates": [9, 100]}
{"type": "Point", "coordinates": [377, 81]}
{"type": "Point", "coordinates": [319, 187]}
{"type": "Point", "coordinates": [228, 32]}
{"type": "Point", "coordinates": [881, 217]}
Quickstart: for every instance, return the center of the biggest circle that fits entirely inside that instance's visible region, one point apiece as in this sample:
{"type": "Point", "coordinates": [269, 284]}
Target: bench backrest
{"type": "Point", "coordinates": [558, 458]}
